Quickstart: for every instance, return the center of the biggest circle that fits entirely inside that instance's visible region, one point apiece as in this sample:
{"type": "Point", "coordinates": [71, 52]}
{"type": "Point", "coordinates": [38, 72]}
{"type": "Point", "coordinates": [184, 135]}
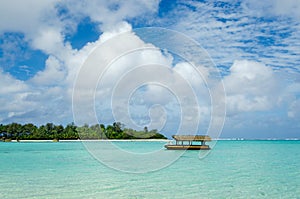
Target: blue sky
{"type": "Point", "coordinates": [255, 45]}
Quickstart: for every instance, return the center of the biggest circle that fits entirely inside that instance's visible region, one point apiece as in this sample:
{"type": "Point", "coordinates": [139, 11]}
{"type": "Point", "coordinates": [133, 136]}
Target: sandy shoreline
{"type": "Point", "coordinates": [155, 140]}
{"type": "Point", "coordinates": [132, 140]}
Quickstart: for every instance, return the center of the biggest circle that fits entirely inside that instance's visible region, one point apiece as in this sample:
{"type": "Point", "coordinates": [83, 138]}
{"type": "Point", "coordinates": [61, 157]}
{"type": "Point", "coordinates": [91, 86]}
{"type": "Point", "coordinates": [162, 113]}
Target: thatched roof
{"type": "Point", "coordinates": [191, 138]}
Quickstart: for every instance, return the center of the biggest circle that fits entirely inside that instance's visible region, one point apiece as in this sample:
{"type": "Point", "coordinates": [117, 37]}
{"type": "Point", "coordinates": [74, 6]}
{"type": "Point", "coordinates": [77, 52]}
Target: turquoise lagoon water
{"type": "Point", "coordinates": [233, 169]}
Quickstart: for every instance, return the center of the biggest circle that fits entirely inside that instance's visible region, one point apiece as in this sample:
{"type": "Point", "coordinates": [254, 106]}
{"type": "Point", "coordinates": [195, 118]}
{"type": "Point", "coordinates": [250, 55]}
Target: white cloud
{"type": "Point", "coordinates": [44, 25]}
{"type": "Point", "coordinates": [131, 70]}
{"type": "Point", "coordinates": [12, 95]}
{"type": "Point", "coordinates": [251, 86]}
{"type": "Point", "coordinates": [110, 13]}
{"type": "Point", "coordinates": [49, 40]}
{"type": "Point", "coordinates": [24, 102]}
{"type": "Point", "coordinates": [242, 30]}
{"type": "Point", "coordinates": [53, 74]}
{"type": "Point", "coordinates": [290, 8]}
{"type": "Point", "coordinates": [10, 84]}
{"type": "Point", "coordinates": [23, 15]}
{"type": "Point", "coordinates": [124, 66]}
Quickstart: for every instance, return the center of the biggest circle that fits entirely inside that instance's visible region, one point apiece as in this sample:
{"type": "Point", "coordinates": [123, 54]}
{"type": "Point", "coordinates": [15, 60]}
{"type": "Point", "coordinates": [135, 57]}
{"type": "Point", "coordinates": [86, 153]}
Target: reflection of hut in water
{"type": "Point", "coordinates": [189, 142]}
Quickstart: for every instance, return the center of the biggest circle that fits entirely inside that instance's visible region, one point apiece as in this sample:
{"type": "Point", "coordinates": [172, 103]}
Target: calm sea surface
{"type": "Point", "coordinates": [233, 169]}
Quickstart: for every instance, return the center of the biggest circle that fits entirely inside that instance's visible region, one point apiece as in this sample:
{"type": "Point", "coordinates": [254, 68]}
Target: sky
{"type": "Point", "coordinates": [254, 45]}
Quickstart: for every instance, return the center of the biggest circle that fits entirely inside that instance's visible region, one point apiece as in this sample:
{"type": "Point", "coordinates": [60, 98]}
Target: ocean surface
{"type": "Point", "coordinates": [232, 169]}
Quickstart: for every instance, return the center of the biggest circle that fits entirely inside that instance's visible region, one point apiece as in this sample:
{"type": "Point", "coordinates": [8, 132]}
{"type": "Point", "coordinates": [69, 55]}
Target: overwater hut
{"type": "Point", "coordinates": [189, 142]}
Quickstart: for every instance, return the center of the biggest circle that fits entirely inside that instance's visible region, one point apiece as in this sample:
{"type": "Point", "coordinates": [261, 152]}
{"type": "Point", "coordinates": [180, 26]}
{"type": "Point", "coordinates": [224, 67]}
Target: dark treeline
{"type": "Point", "coordinates": [51, 131]}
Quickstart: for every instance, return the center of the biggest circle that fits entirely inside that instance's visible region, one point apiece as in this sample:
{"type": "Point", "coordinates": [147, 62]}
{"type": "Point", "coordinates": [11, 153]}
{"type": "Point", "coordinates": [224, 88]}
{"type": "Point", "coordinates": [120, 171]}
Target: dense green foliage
{"type": "Point", "coordinates": [51, 131]}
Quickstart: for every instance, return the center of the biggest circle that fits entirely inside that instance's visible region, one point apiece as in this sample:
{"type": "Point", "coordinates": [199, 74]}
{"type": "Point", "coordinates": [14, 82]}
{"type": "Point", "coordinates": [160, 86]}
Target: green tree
{"type": "Point", "coordinates": [41, 133]}
{"type": "Point", "coordinates": [28, 130]}
{"type": "Point", "coordinates": [146, 129]}
{"type": "Point", "coordinates": [109, 131]}
{"type": "Point", "coordinates": [58, 131]}
{"type": "Point", "coordinates": [3, 130]}
{"type": "Point", "coordinates": [118, 127]}
{"type": "Point", "coordinates": [70, 132]}
{"type": "Point", "coordinates": [14, 130]}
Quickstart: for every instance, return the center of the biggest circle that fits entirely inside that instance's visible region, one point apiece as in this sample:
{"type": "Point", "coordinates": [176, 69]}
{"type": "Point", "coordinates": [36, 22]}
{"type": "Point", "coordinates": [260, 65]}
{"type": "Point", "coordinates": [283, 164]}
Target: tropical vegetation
{"type": "Point", "coordinates": [50, 131]}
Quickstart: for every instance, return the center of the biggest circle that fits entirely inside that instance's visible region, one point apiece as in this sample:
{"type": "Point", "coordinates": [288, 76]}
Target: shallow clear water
{"type": "Point", "coordinates": [233, 169]}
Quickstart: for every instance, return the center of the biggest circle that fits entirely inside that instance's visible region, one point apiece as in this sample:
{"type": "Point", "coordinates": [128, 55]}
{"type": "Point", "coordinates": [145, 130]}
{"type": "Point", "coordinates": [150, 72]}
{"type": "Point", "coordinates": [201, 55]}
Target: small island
{"type": "Point", "coordinates": [50, 131]}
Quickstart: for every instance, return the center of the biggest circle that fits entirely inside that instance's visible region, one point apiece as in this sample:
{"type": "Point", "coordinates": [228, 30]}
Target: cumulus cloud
{"type": "Point", "coordinates": [251, 86]}
{"type": "Point", "coordinates": [135, 63]}
{"type": "Point", "coordinates": [53, 74]}
{"type": "Point", "coordinates": [10, 84]}
{"type": "Point", "coordinates": [12, 94]}
{"type": "Point", "coordinates": [44, 26]}
{"type": "Point", "coordinates": [23, 101]}
{"type": "Point", "coordinates": [49, 40]}
{"type": "Point", "coordinates": [126, 77]}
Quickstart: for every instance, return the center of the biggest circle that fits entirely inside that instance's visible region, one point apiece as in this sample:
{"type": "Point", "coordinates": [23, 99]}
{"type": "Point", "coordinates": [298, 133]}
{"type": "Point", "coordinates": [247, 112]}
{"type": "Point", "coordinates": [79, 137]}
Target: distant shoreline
{"type": "Point", "coordinates": [108, 140]}
{"type": "Point", "coordinates": [256, 139]}
{"type": "Point", "coordinates": [152, 140]}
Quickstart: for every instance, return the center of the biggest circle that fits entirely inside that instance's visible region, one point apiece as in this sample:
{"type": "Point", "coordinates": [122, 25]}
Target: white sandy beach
{"type": "Point", "coordinates": [131, 140]}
